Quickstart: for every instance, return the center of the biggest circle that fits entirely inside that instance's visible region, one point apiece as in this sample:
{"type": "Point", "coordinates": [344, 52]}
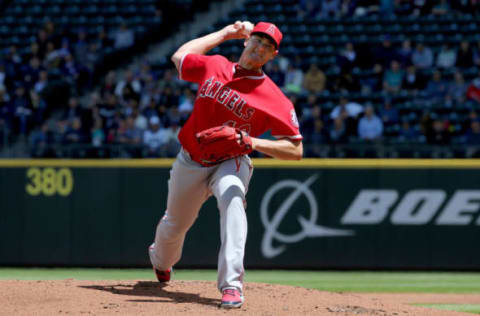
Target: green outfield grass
{"type": "Point", "coordinates": [336, 281]}
{"type": "Point", "coordinates": [466, 308]}
{"type": "Point", "coordinates": [344, 281]}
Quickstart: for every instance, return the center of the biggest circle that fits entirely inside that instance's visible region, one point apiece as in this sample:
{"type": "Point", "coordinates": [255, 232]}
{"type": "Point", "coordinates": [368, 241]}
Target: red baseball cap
{"type": "Point", "coordinates": [269, 29]}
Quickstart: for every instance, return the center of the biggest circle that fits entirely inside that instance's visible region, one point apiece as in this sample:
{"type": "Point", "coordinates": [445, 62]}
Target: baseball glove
{"type": "Point", "coordinates": [221, 143]}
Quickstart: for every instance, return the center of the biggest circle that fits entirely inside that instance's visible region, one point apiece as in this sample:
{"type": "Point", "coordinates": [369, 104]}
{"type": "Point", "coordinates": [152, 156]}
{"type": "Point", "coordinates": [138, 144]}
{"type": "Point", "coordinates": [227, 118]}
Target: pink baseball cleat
{"type": "Point", "coordinates": [231, 298]}
{"type": "Point", "coordinates": [163, 276]}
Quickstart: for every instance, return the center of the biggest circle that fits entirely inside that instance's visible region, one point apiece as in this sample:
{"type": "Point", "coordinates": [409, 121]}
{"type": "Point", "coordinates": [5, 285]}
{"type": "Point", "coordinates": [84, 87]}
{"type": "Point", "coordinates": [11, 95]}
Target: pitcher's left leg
{"type": "Point", "coordinates": [229, 185]}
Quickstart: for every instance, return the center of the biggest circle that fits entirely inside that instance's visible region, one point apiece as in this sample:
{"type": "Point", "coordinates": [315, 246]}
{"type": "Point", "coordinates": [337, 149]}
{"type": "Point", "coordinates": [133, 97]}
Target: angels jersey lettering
{"type": "Point", "coordinates": [252, 103]}
{"type": "Point", "coordinates": [226, 96]}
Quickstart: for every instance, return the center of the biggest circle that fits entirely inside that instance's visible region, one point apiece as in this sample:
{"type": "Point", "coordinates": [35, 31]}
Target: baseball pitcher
{"type": "Point", "coordinates": [235, 103]}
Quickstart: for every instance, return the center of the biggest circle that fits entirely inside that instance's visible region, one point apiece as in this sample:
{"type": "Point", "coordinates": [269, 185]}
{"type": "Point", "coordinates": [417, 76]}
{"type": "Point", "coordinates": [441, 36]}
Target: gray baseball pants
{"type": "Point", "coordinates": [189, 186]}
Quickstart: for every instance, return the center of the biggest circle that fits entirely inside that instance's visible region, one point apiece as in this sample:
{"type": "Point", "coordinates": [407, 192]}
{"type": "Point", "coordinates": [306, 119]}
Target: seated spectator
{"type": "Point", "coordinates": [466, 7]}
{"type": "Point", "coordinates": [388, 113]}
{"type": "Point", "coordinates": [352, 109]}
{"type": "Point", "coordinates": [281, 60]}
{"type": "Point", "coordinates": [385, 53]}
{"type": "Point", "coordinates": [74, 133]}
{"type": "Point", "coordinates": [464, 55]}
{"type": "Point", "coordinates": [347, 82]}
{"type": "Point", "coordinates": [39, 138]}
{"type": "Point", "coordinates": [64, 49]}
{"type": "Point", "coordinates": [70, 68]}
{"type": "Point", "coordinates": [404, 53]}
{"type": "Point", "coordinates": [338, 132]}
{"type": "Point", "coordinates": [12, 63]}
{"type": "Point", "coordinates": [155, 138]}
{"type": "Point", "coordinates": [422, 7]}
{"type": "Point", "coordinates": [305, 110]}
{"type": "Point", "coordinates": [407, 132]}
{"type": "Point", "coordinates": [42, 42]}
{"type": "Point", "coordinates": [52, 59]}
{"type": "Point", "coordinates": [403, 8]}
{"type": "Point", "coordinates": [72, 111]}
{"type": "Point", "coordinates": [22, 111]}
{"type": "Point", "coordinates": [329, 8]}
{"type": "Point", "coordinates": [307, 121]}
{"type": "Point", "coordinates": [3, 77]}
{"type": "Point", "coordinates": [80, 47]}
{"type": "Point", "coordinates": [473, 134]}
{"type": "Point", "coordinates": [124, 37]}
{"type": "Point", "coordinates": [107, 110]}
{"type": "Point", "coordinates": [319, 134]}
{"type": "Point", "coordinates": [169, 98]}
{"type": "Point", "coordinates": [129, 107]}
{"type": "Point", "coordinates": [436, 89]}
{"type": "Point", "coordinates": [172, 145]}
{"type": "Point", "coordinates": [92, 58]}
{"type": "Point", "coordinates": [314, 80]}
{"type": "Point", "coordinates": [374, 81]}
{"type": "Point", "coordinates": [102, 40]}
{"type": "Point", "coordinates": [472, 116]}
{"type": "Point", "coordinates": [141, 121]}
{"type": "Point", "coordinates": [457, 90]}
{"type": "Point", "coordinates": [130, 135]}
{"type": "Point", "coordinates": [6, 115]}
{"type": "Point", "coordinates": [151, 110]}
{"type": "Point", "coordinates": [128, 87]}
{"type": "Point", "coordinates": [447, 57]}
{"type": "Point", "coordinates": [347, 57]}
{"type": "Point", "coordinates": [473, 90]}
{"type": "Point", "coordinates": [441, 8]}
{"type": "Point", "coordinates": [393, 78]}
{"type": "Point", "coordinates": [58, 130]}
{"type": "Point", "coordinates": [386, 8]}
{"type": "Point", "coordinates": [186, 104]}
{"type": "Point", "coordinates": [293, 79]}
{"type": "Point", "coordinates": [109, 84]}
{"type": "Point", "coordinates": [370, 126]}
{"type": "Point", "coordinates": [476, 54]}
{"type": "Point", "coordinates": [97, 133]}
{"type": "Point", "coordinates": [348, 7]}
{"type": "Point", "coordinates": [296, 105]}
{"type": "Point", "coordinates": [308, 8]}
{"type": "Point", "coordinates": [277, 75]}
{"type": "Point", "coordinates": [31, 71]}
{"type": "Point", "coordinates": [413, 81]}
{"type": "Point", "coordinates": [438, 134]}
{"type": "Point", "coordinates": [42, 82]}
{"type": "Point", "coordinates": [422, 56]}
{"type": "Point", "coordinates": [32, 52]}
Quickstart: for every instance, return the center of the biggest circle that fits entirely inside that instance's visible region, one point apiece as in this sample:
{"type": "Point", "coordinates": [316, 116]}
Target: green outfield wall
{"type": "Point", "coordinates": [346, 214]}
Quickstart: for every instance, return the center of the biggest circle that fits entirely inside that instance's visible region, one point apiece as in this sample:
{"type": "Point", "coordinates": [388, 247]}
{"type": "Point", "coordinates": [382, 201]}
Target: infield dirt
{"type": "Point", "coordinates": [74, 297]}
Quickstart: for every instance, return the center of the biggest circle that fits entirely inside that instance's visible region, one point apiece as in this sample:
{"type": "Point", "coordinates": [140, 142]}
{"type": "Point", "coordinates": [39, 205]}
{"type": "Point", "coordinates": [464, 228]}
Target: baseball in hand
{"type": "Point", "coordinates": [247, 27]}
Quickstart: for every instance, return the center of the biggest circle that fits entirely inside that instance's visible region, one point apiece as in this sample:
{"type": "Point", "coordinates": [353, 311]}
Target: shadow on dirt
{"type": "Point", "coordinates": [153, 289]}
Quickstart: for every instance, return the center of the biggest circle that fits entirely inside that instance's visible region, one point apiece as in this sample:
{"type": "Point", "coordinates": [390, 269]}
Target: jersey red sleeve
{"type": "Point", "coordinates": [193, 67]}
{"type": "Point", "coordinates": [285, 125]}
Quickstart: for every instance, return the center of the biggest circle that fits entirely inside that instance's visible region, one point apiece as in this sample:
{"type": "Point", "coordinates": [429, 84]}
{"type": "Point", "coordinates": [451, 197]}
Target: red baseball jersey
{"type": "Point", "coordinates": [252, 103]}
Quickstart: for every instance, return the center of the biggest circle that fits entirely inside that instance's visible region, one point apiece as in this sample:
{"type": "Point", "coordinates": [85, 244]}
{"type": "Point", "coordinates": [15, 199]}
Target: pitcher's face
{"type": "Point", "coordinates": [258, 51]}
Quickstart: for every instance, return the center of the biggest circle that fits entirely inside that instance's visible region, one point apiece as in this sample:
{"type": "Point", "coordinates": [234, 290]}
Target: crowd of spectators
{"type": "Point", "coordinates": [34, 80]}
{"type": "Point", "coordinates": [138, 110]}
{"type": "Point", "coordinates": [385, 8]}
{"type": "Point", "coordinates": [141, 110]}
{"type": "Point", "coordinates": [408, 70]}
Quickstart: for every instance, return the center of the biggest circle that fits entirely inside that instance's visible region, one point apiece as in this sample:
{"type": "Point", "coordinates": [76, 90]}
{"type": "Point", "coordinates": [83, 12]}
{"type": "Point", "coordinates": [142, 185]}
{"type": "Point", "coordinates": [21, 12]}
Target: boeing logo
{"type": "Point", "coordinates": [309, 226]}
{"type": "Point", "coordinates": [368, 207]}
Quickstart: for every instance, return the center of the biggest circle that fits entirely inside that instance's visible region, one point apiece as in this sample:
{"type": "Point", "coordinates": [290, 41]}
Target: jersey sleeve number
{"type": "Point", "coordinates": [49, 181]}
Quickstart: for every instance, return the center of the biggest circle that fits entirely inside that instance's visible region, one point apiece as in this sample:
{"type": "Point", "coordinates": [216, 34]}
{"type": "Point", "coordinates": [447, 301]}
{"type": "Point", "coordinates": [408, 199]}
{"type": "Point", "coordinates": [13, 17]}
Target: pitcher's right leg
{"type": "Point", "coordinates": [187, 191]}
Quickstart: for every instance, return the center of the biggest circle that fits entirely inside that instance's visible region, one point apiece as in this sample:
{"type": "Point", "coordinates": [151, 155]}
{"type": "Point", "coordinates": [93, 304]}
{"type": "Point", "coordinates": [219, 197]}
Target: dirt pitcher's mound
{"type": "Point", "coordinates": [73, 297]}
